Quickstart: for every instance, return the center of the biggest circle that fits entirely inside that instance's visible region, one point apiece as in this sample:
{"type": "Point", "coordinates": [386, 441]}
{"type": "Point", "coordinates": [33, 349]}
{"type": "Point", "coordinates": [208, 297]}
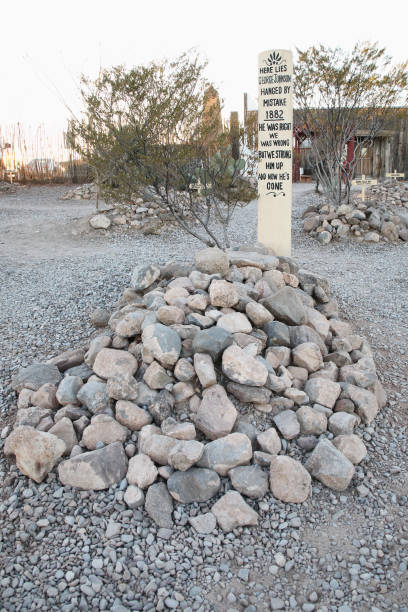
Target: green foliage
{"type": "Point", "coordinates": [342, 95]}
{"type": "Point", "coordinates": [159, 125]}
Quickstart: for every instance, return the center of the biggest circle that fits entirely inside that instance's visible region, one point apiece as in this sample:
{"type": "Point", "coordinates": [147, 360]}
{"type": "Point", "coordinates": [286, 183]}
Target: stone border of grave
{"type": "Point", "coordinates": [390, 192]}
{"type": "Point", "coordinates": [8, 188]}
{"type": "Point", "coordinates": [143, 214]}
{"type": "Point", "coordinates": [367, 222]}
{"type": "Point", "coordinates": [225, 380]}
{"type": "Point", "coordinates": [86, 191]}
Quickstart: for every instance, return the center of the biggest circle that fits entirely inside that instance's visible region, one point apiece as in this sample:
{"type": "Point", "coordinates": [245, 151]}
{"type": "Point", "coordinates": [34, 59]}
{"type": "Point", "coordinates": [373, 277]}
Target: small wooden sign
{"type": "Point", "coordinates": [364, 181]}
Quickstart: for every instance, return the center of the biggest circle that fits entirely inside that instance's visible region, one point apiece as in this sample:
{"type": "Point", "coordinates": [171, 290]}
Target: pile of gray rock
{"type": "Point", "coordinates": [144, 213]}
{"type": "Point", "coordinates": [390, 192]}
{"type": "Point", "coordinates": [144, 216]}
{"type": "Point", "coordinates": [87, 191]}
{"type": "Point", "coordinates": [228, 378]}
{"type": "Point", "coordinates": [6, 187]}
{"type": "Point", "coordinates": [365, 222]}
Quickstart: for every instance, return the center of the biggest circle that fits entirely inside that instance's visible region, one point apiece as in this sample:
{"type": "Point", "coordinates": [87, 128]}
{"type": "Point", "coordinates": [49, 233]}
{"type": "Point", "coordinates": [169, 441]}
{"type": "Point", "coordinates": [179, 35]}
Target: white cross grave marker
{"type": "Point", "coordinates": [11, 174]}
{"type": "Point", "coordinates": [275, 147]}
{"type": "Point", "coordinates": [199, 187]}
{"type": "Point", "coordinates": [363, 181]}
{"type": "Point", "coordinates": [395, 175]}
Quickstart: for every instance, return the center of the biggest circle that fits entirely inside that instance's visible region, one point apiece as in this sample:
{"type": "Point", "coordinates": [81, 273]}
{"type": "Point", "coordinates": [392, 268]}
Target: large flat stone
{"type": "Point", "coordinates": [95, 470]}
{"type": "Point", "coordinates": [103, 428]}
{"type": "Point", "coordinates": [299, 334]}
{"type": "Point", "coordinates": [194, 485]}
{"type": "Point", "coordinates": [225, 453]}
{"type": "Point", "coordinates": [249, 480]}
{"type": "Point", "coordinates": [322, 391]}
{"type": "Point", "coordinates": [68, 359]}
{"type": "Point", "coordinates": [286, 306]}
{"type": "Point", "coordinates": [248, 394]}
{"type": "Point", "coordinates": [253, 259]}
{"type": "Point", "coordinates": [35, 376]}
{"type": "Point", "coordinates": [212, 261]}
{"type": "Point", "coordinates": [110, 363]}
{"type": "Point", "coordinates": [212, 341]}
{"type": "Point", "coordinates": [235, 323]}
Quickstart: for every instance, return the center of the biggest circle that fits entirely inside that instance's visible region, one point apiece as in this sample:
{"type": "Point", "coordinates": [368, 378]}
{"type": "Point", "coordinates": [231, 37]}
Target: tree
{"type": "Point", "coordinates": [340, 96]}
{"type": "Point", "coordinates": [159, 125]}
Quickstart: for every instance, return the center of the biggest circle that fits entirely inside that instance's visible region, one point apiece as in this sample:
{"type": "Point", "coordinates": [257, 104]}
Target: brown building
{"type": "Point", "coordinates": [388, 152]}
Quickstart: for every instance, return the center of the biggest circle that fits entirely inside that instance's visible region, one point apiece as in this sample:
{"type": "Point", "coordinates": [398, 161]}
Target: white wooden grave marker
{"type": "Point", "coordinates": [11, 175]}
{"type": "Point", "coordinates": [395, 175]}
{"type": "Point", "coordinates": [275, 147]}
{"type": "Point", "coordinates": [364, 181]}
{"type": "Point", "coordinates": [199, 187]}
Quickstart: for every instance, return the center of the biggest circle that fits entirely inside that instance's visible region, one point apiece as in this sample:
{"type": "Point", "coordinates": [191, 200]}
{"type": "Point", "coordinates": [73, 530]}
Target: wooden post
{"type": "Point", "coordinates": [275, 149]}
{"type": "Point", "coordinates": [234, 134]}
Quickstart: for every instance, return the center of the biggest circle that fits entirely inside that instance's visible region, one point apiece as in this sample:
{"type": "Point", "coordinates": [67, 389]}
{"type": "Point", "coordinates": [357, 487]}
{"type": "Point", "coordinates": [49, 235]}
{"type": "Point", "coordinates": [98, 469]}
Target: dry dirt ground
{"type": "Point", "coordinates": [48, 256]}
{"type": "Point", "coordinates": [36, 225]}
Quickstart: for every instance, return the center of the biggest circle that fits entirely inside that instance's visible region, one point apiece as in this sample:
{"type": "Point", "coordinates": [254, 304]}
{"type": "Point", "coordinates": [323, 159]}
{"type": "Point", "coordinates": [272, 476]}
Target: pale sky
{"type": "Point", "coordinates": [46, 45]}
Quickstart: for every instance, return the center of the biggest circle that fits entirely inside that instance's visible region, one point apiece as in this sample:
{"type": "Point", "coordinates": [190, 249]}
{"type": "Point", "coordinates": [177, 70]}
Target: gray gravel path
{"type": "Point", "coordinates": [337, 552]}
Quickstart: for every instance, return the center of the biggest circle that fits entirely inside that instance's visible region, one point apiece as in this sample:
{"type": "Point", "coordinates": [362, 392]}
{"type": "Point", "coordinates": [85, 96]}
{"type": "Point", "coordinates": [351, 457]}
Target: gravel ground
{"type": "Point", "coordinates": [68, 550]}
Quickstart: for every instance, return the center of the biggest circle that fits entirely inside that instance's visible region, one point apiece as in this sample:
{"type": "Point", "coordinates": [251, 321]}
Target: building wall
{"type": "Point", "coordinates": [389, 151]}
{"type": "Point", "coordinates": [399, 146]}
